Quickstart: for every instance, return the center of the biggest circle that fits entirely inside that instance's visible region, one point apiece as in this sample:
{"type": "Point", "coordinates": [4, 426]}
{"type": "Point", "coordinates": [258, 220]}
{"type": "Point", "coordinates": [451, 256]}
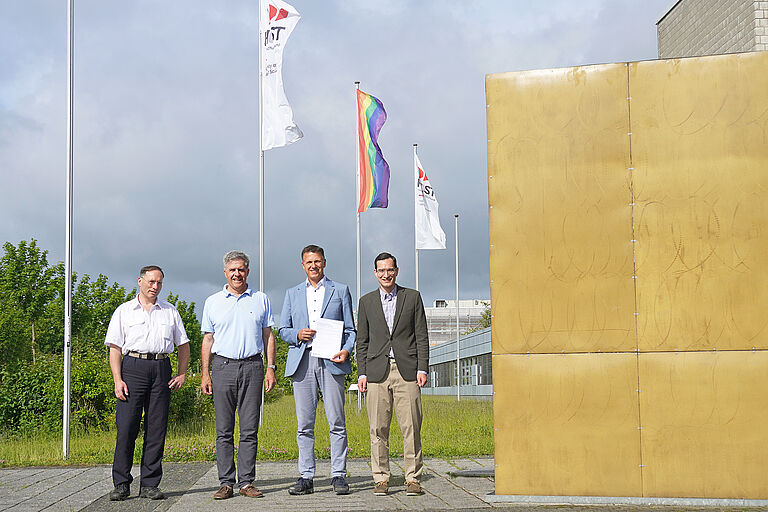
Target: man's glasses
{"type": "Point", "coordinates": [382, 271]}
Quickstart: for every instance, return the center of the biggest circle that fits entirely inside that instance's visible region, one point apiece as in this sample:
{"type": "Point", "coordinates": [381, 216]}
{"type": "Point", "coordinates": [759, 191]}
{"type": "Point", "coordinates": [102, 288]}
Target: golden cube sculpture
{"type": "Point", "coordinates": [628, 234]}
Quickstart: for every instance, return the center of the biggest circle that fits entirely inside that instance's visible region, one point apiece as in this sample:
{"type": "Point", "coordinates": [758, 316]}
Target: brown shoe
{"type": "Point", "coordinates": [413, 489]}
{"type": "Point", "coordinates": [224, 492]}
{"type": "Point", "coordinates": [250, 491]}
{"type": "Point", "coordinates": [381, 488]}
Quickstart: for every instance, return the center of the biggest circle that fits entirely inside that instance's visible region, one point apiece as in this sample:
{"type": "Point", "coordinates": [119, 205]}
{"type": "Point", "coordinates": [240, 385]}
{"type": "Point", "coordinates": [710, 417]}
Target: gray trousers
{"type": "Point", "coordinates": [237, 384]}
{"type": "Point", "coordinates": [311, 376]}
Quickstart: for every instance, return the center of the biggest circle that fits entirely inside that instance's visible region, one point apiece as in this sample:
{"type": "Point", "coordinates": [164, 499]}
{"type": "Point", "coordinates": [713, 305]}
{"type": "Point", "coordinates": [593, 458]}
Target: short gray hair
{"type": "Point", "coordinates": [236, 255]}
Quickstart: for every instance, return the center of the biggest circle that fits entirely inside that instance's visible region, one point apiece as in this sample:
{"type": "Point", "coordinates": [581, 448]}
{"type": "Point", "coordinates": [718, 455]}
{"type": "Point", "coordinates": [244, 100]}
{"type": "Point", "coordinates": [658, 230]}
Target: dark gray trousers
{"type": "Point", "coordinates": [237, 386]}
{"type": "Point", "coordinates": [148, 393]}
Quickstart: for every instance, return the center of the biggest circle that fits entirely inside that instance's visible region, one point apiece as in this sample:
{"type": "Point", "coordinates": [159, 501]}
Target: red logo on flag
{"type": "Point", "coordinates": [275, 15]}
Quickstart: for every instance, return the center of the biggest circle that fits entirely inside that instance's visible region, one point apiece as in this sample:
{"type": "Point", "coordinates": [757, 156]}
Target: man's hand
{"type": "Point", "coordinates": [178, 381]}
{"type": "Point", "coordinates": [362, 384]}
{"type": "Point", "coordinates": [306, 334]}
{"type": "Point", "coordinates": [206, 385]}
{"type": "Point", "coordinates": [121, 390]}
{"type": "Point", "coordinates": [421, 379]}
{"type": "Point", "coordinates": [340, 357]}
{"type": "Point", "coordinates": [269, 379]}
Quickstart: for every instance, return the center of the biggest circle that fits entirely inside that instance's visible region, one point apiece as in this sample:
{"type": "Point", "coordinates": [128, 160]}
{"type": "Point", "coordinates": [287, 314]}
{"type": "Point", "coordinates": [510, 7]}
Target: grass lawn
{"type": "Point", "coordinates": [450, 429]}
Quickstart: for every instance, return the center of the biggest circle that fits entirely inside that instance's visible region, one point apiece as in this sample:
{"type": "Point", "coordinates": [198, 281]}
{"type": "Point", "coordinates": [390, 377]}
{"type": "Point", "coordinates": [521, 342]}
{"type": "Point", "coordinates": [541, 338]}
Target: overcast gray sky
{"type": "Point", "coordinates": [166, 128]}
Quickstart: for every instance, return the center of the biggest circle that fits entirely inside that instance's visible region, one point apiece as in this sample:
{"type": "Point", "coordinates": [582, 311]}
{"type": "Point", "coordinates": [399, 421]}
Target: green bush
{"type": "Point", "coordinates": [189, 404]}
{"type": "Point", "coordinates": [26, 403]}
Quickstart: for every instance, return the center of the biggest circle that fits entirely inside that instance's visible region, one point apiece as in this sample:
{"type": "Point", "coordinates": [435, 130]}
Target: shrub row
{"type": "Point", "coordinates": [31, 396]}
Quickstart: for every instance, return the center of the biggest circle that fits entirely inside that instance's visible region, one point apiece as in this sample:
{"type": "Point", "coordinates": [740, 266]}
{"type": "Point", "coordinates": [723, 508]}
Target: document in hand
{"type": "Point", "coordinates": [327, 340]}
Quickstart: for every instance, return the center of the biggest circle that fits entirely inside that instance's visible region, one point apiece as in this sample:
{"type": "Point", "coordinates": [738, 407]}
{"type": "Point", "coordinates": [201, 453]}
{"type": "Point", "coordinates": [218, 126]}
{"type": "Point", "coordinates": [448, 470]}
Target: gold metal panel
{"type": "Point", "coordinates": [559, 218]}
{"type": "Point", "coordinates": [566, 424]}
{"type": "Point", "coordinates": [704, 420]}
{"type": "Point", "coordinates": [700, 152]}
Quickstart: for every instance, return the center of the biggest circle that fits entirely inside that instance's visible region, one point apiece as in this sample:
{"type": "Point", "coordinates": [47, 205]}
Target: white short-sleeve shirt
{"type": "Point", "coordinates": [157, 331]}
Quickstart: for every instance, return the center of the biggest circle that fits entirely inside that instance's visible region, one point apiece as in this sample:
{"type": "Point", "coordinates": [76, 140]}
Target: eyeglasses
{"type": "Point", "coordinates": [382, 271]}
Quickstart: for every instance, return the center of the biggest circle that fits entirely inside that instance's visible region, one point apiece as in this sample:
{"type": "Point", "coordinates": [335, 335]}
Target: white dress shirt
{"type": "Point", "coordinates": [315, 297]}
{"type": "Point", "coordinates": [157, 331]}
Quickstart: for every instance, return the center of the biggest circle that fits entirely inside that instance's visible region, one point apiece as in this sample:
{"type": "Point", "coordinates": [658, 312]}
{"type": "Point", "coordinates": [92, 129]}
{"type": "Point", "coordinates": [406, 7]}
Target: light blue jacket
{"type": "Point", "coordinates": [337, 305]}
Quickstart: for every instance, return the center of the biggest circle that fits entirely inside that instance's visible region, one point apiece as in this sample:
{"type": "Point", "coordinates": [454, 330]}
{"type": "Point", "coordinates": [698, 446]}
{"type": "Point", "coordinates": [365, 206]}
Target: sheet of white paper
{"type": "Point", "coordinates": [327, 340]}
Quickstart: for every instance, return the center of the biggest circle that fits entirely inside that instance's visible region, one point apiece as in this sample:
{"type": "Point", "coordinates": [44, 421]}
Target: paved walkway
{"type": "Point", "coordinates": [190, 487]}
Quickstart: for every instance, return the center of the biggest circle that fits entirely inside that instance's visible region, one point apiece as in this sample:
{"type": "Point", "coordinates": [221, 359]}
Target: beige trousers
{"type": "Point", "coordinates": [406, 398]}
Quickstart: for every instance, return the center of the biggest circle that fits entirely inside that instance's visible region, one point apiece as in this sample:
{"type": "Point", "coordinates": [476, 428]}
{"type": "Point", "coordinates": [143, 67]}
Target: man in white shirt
{"type": "Point", "coordinates": [141, 336]}
{"type": "Point", "coordinates": [314, 298]}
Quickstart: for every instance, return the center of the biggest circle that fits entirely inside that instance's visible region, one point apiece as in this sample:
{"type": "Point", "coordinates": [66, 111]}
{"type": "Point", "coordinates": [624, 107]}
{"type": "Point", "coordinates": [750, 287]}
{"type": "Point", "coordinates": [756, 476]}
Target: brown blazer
{"type": "Point", "coordinates": [409, 339]}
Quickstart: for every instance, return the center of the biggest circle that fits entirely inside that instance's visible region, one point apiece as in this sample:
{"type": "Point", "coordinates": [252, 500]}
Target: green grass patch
{"type": "Point", "coordinates": [450, 429]}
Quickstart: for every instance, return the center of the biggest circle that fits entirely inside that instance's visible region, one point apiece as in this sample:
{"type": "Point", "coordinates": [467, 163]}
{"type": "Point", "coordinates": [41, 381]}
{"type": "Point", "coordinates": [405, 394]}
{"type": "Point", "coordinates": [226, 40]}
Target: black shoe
{"type": "Point", "coordinates": [340, 485]}
{"type": "Point", "coordinates": [302, 486]}
{"type": "Point", "coordinates": [152, 493]}
{"type": "Point", "coordinates": [120, 492]}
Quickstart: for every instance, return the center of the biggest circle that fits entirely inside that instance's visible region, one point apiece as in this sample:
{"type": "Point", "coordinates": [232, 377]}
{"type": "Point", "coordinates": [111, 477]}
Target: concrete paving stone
{"type": "Point", "coordinates": [9, 476]}
{"type": "Point", "coordinates": [25, 491]}
{"type": "Point", "coordinates": [77, 492]}
{"type": "Point", "coordinates": [190, 487]}
{"type": "Point", "coordinates": [177, 480]}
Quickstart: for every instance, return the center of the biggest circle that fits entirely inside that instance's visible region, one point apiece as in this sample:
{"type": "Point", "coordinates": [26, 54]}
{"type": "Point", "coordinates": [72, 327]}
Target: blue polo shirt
{"type": "Point", "coordinates": [237, 322]}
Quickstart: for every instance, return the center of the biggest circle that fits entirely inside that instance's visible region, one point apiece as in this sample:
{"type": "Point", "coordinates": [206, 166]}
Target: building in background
{"type": "Point", "coordinates": [475, 361]}
{"type": "Point", "coordinates": [693, 28]}
{"type": "Point", "coordinates": [441, 318]}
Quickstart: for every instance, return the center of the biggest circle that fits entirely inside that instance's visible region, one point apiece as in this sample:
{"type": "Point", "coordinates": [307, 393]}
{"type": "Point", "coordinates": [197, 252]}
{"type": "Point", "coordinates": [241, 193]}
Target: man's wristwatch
{"type": "Point", "coordinates": [273, 366]}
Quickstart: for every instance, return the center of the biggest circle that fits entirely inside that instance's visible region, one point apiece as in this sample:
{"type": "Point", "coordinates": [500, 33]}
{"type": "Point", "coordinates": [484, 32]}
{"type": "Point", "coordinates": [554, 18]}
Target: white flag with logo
{"type": "Point", "coordinates": [277, 21]}
{"type": "Point", "coordinates": [429, 234]}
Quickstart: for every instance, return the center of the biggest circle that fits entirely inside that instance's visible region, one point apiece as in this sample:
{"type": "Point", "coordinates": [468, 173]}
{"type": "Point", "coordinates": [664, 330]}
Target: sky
{"type": "Point", "coordinates": [166, 138]}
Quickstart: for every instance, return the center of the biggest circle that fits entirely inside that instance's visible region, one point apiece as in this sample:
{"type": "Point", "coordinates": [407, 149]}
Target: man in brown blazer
{"type": "Point", "coordinates": [392, 365]}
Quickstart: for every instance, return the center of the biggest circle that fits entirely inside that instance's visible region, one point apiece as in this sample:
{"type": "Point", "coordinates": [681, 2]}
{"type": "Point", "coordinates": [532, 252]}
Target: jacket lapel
{"type": "Point", "coordinates": [329, 290]}
{"type": "Point", "coordinates": [399, 301]}
{"type": "Point", "coordinates": [301, 298]}
{"type": "Point", "coordinates": [378, 310]}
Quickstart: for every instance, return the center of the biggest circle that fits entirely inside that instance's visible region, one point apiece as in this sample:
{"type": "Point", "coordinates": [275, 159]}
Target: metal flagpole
{"type": "Point", "coordinates": [261, 189]}
{"type": "Point", "coordinates": [415, 213]}
{"type": "Point", "coordinates": [357, 199]}
{"type": "Point", "coordinates": [458, 355]}
{"type": "Point", "coordinates": [68, 229]}
{"type": "Point", "coordinates": [357, 185]}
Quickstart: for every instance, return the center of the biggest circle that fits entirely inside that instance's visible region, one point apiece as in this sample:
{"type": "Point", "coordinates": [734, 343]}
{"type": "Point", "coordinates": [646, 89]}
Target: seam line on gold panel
{"type": "Point", "coordinates": [636, 313]}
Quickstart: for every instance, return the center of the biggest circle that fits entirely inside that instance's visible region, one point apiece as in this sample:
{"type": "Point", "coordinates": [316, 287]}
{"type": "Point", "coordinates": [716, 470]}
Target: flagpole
{"type": "Point", "coordinates": [458, 355]}
{"type": "Point", "coordinates": [261, 190]}
{"type": "Point", "coordinates": [357, 185]}
{"type": "Point", "coordinates": [415, 213]}
{"type": "Point", "coordinates": [68, 229]}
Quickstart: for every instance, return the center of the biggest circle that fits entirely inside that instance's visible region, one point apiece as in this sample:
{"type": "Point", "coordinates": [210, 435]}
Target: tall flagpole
{"type": "Point", "coordinates": [357, 184]}
{"type": "Point", "coordinates": [458, 354]}
{"type": "Point", "coordinates": [261, 157]}
{"type": "Point", "coordinates": [68, 229]}
{"type": "Point", "coordinates": [261, 190]}
{"type": "Point", "coordinates": [415, 213]}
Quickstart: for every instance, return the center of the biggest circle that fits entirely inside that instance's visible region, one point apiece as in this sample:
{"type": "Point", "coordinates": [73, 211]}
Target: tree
{"type": "Point", "coordinates": [192, 326]}
{"type": "Point", "coordinates": [485, 320]}
{"type": "Point", "coordinates": [93, 303]}
{"type": "Point", "coordinates": [27, 285]}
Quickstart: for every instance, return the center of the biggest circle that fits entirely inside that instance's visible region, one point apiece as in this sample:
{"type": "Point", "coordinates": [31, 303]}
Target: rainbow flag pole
{"type": "Point", "coordinates": [372, 169]}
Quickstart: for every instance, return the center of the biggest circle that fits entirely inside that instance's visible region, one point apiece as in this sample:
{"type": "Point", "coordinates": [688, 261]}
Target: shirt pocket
{"type": "Point", "coordinates": [135, 326]}
{"type": "Point", "coordinates": [166, 330]}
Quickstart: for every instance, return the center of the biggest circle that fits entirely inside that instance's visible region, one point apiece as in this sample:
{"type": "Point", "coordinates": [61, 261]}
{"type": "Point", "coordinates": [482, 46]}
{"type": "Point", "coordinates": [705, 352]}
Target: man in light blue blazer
{"type": "Point", "coordinates": [318, 297]}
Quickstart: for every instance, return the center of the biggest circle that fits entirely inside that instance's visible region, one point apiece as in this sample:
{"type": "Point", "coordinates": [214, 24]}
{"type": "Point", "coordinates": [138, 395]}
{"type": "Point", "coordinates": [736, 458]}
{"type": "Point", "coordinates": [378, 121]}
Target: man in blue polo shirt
{"type": "Point", "coordinates": [237, 324]}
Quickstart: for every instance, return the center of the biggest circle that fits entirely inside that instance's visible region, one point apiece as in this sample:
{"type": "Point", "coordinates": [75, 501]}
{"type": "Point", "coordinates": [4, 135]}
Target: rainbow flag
{"type": "Point", "coordinates": [373, 169]}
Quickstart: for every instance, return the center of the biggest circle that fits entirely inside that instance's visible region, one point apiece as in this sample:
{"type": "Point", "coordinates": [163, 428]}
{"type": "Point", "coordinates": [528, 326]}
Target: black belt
{"type": "Point", "coordinates": [151, 357]}
{"type": "Point", "coordinates": [257, 357]}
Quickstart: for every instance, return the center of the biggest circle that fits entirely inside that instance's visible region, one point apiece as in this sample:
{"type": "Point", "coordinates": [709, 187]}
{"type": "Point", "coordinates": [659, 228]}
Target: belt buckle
{"type": "Point", "coordinates": [151, 357]}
